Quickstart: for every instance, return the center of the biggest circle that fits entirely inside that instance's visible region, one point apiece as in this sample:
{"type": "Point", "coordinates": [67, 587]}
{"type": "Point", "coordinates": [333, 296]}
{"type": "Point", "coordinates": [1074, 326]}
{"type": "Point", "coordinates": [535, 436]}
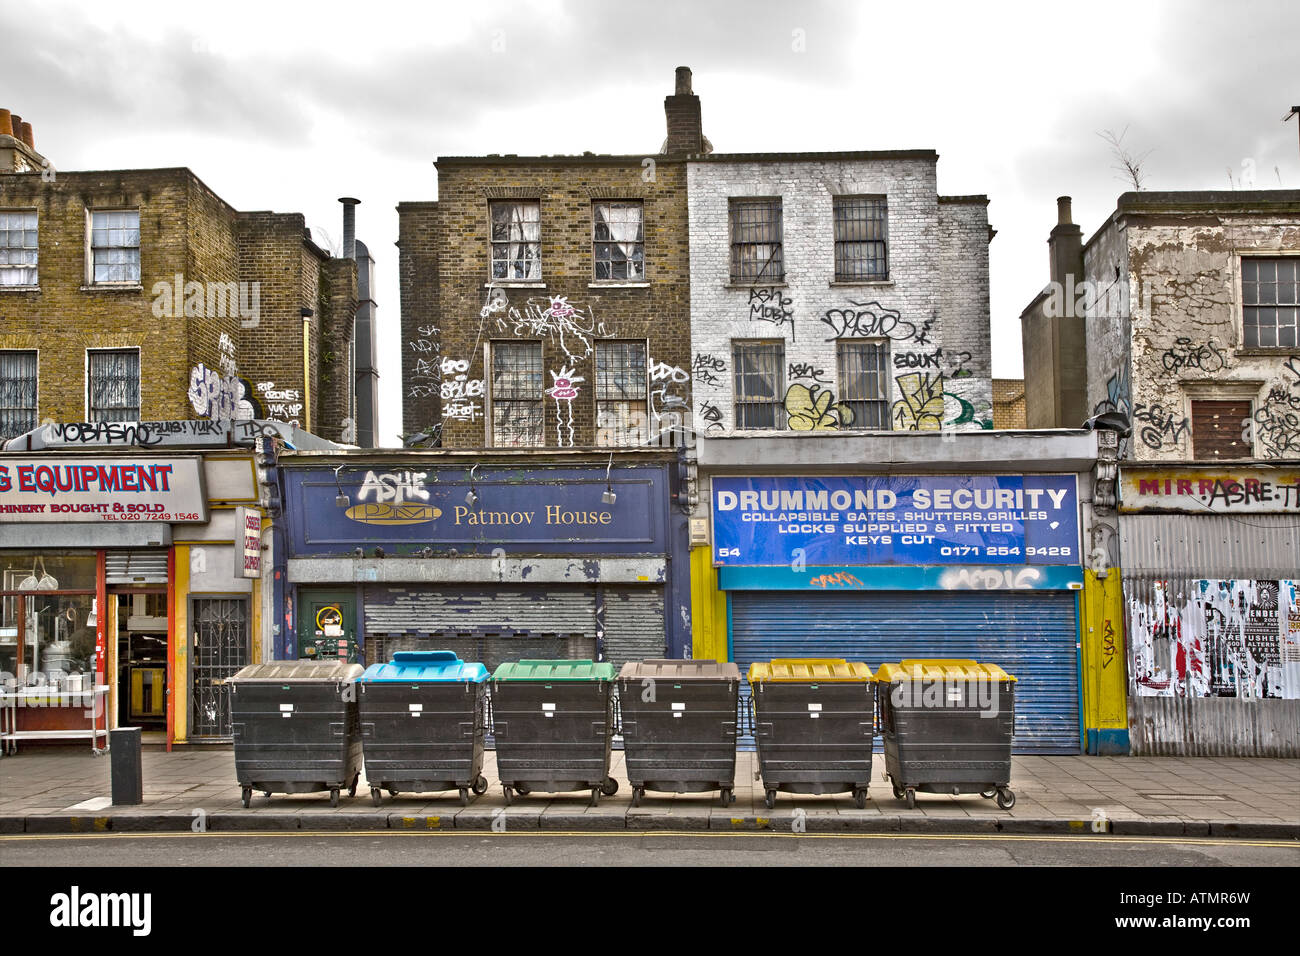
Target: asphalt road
{"type": "Point", "coordinates": [304, 849]}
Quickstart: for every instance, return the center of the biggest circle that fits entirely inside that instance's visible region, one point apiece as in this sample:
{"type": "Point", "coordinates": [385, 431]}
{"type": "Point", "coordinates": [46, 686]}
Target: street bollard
{"type": "Point", "coordinates": [126, 766]}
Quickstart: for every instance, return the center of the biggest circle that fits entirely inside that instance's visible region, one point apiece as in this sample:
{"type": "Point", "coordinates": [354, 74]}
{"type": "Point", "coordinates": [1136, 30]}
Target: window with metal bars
{"type": "Point", "coordinates": [618, 240]}
{"type": "Point", "coordinates": [18, 247]}
{"type": "Point", "coordinates": [115, 246]}
{"type": "Point", "coordinates": [17, 393]}
{"type": "Point", "coordinates": [860, 252]}
{"type": "Point", "coordinates": [864, 383]}
{"type": "Point", "coordinates": [621, 413]}
{"type": "Point", "coordinates": [113, 385]}
{"type": "Point", "coordinates": [516, 240]}
{"type": "Point", "coordinates": [517, 410]}
{"type": "Point", "coordinates": [1270, 295]}
{"type": "Point", "coordinates": [756, 256]}
{"type": "Point", "coordinates": [759, 384]}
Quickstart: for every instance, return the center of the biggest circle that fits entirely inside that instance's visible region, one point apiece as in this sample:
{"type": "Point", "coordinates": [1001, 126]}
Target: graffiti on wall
{"type": "Point", "coordinates": [707, 370]}
{"type": "Point", "coordinates": [711, 415]}
{"type": "Point", "coordinates": [873, 320]}
{"type": "Point", "coordinates": [1213, 638]}
{"type": "Point", "coordinates": [1185, 354]}
{"type": "Point", "coordinates": [807, 370]}
{"type": "Point", "coordinates": [811, 408]}
{"type": "Point", "coordinates": [1160, 427]}
{"type": "Point", "coordinates": [772, 306]}
{"type": "Point", "coordinates": [461, 395]}
{"type": "Point", "coordinates": [1277, 420]}
{"type": "Point", "coordinates": [564, 389]}
{"type": "Point", "coordinates": [223, 394]}
{"type": "Point", "coordinates": [569, 327]}
{"type": "Point", "coordinates": [920, 407]}
{"type": "Point", "coordinates": [284, 404]}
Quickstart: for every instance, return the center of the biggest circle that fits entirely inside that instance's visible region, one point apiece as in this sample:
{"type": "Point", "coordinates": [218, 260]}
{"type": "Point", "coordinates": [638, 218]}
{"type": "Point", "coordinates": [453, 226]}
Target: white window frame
{"type": "Point", "coordinates": [638, 204]}
{"type": "Point", "coordinates": [492, 244]}
{"type": "Point", "coordinates": [139, 384]}
{"type": "Point", "coordinates": [625, 440]}
{"type": "Point", "coordinates": [1257, 254]}
{"type": "Point", "coordinates": [492, 392]}
{"type": "Point", "coordinates": [90, 250]}
{"type": "Point", "coordinates": [36, 264]}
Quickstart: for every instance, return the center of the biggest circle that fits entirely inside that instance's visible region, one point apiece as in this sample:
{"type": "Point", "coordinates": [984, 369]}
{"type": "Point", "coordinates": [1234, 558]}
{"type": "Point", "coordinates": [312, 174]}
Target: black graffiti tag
{"type": "Point", "coordinates": [807, 370]}
{"type": "Point", "coordinates": [711, 414]}
{"type": "Point", "coordinates": [706, 368]}
{"type": "Point", "coordinates": [769, 305]}
{"type": "Point", "coordinates": [1160, 425]}
{"type": "Point", "coordinates": [1183, 354]}
{"type": "Point", "coordinates": [871, 320]}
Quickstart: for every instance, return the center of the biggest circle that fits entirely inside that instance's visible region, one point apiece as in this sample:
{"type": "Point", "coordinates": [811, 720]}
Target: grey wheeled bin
{"type": "Point", "coordinates": [554, 723]}
{"type": "Point", "coordinates": [296, 728]}
{"type": "Point", "coordinates": [679, 726]}
{"type": "Point", "coordinates": [814, 722]}
{"type": "Point", "coordinates": [423, 716]}
{"type": "Point", "coordinates": [947, 726]}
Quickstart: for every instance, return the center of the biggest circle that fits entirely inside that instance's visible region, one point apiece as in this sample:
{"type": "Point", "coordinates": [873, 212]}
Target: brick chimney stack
{"type": "Point", "coordinates": [1065, 245]}
{"type": "Point", "coordinates": [685, 126]}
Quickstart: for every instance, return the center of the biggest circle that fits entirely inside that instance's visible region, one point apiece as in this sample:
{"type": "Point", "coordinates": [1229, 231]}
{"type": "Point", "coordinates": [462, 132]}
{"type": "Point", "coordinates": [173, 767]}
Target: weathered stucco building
{"type": "Point", "coordinates": [1177, 323]}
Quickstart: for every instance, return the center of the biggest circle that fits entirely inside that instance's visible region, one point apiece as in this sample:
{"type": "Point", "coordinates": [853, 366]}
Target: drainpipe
{"type": "Point", "coordinates": [306, 368]}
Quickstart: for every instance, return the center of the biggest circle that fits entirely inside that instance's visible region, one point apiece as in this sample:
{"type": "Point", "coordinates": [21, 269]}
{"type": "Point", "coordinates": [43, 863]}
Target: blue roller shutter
{"type": "Point", "coordinates": [1031, 634]}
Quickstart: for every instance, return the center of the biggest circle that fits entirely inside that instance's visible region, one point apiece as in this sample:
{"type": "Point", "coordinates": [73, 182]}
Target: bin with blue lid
{"type": "Point", "coordinates": [553, 721]}
{"type": "Point", "coordinates": [423, 722]}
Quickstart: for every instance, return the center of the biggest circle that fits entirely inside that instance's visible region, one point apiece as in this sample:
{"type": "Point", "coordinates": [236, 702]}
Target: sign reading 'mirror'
{"type": "Point", "coordinates": [43, 488]}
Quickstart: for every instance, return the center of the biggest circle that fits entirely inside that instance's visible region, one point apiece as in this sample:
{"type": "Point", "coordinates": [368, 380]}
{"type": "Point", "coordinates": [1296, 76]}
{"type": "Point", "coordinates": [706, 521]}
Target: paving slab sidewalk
{"type": "Point", "coordinates": [67, 790]}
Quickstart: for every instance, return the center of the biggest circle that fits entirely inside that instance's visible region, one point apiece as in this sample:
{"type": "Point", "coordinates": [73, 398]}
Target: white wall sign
{"type": "Point", "coordinates": [248, 550]}
{"type": "Point", "coordinates": [96, 489]}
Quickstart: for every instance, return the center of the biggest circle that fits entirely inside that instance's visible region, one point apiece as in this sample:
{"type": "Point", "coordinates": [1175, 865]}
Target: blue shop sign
{"type": "Point", "coordinates": [904, 520]}
{"type": "Point", "coordinates": [559, 510]}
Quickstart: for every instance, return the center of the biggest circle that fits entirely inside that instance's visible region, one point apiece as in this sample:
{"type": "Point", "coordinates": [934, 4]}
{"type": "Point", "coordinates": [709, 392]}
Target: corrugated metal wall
{"type": "Point", "coordinates": [1211, 546]}
{"type": "Point", "coordinates": [634, 624]}
{"type": "Point", "coordinates": [1214, 727]}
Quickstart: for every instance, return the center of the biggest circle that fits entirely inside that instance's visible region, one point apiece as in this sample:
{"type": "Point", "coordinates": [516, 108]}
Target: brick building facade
{"type": "Point", "coordinates": [545, 301]}
{"type": "Point", "coordinates": [141, 295]}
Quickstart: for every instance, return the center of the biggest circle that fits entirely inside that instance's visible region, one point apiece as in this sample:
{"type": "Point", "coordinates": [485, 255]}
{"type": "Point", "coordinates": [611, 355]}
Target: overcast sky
{"type": "Point", "coordinates": [288, 106]}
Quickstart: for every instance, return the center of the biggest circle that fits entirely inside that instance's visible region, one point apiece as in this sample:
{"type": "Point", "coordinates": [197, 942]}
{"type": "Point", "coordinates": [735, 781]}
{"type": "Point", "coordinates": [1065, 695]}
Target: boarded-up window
{"type": "Point", "coordinates": [1217, 430]}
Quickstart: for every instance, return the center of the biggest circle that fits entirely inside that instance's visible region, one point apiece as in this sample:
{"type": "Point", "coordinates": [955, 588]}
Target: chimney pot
{"type": "Point", "coordinates": [6, 122]}
{"type": "Point", "coordinates": [15, 126]}
{"type": "Point", "coordinates": [1063, 213]}
{"type": "Point", "coordinates": [349, 226]}
{"type": "Point", "coordinates": [683, 81]}
{"type": "Point", "coordinates": [27, 135]}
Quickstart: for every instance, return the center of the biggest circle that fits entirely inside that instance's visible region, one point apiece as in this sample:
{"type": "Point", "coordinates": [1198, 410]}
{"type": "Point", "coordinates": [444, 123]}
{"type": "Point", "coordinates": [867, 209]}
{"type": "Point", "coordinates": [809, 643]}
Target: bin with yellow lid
{"type": "Point", "coordinates": [947, 725]}
{"type": "Point", "coordinates": [814, 721]}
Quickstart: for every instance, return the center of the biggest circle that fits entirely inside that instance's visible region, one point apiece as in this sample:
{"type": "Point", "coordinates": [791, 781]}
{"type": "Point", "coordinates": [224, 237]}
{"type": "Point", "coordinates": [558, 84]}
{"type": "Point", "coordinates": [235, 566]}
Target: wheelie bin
{"type": "Point", "coordinates": [678, 720]}
{"type": "Point", "coordinates": [296, 728]}
{"type": "Point", "coordinates": [554, 724]}
{"type": "Point", "coordinates": [813, 725]}
{"type": "Point", "coordinates": [423, 720]}
{"type": "Point", "coordinates": [947, 727]}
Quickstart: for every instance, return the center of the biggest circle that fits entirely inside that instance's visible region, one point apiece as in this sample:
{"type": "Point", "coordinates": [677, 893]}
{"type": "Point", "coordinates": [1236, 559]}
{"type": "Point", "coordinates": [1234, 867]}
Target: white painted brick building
{"type": "Point", "coordinates": [879, 322]}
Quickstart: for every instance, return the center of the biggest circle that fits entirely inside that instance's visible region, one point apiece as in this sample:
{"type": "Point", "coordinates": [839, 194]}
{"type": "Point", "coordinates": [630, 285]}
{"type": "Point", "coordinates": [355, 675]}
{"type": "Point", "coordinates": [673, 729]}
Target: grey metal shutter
{"type": "Point", "coordinates": [634, 624]}
{"type": "Point", "coordinates": [1030, 634]}
{"type": "Point", "coordinates": [135, 567]}
{"type": "Point", "coordinates": [486, 623]}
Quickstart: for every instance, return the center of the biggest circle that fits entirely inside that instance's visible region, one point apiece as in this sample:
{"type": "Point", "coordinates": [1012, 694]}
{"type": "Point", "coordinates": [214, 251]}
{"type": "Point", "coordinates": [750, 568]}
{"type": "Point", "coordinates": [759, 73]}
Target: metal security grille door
{"type": "Point", "coordinates": [634, 624]}
{"type": "Point", "coordinates": [1031, 634]}
{"type": "Point", "coordinates": [220, 649]}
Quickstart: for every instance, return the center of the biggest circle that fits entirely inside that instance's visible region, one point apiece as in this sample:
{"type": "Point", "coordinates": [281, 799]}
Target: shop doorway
{"type": "Point", "coordinates": [327, 625]}
{"type": "Point", "coordinates": [142, 665]}
{"type": "Point", "coordinates": [219, 648]}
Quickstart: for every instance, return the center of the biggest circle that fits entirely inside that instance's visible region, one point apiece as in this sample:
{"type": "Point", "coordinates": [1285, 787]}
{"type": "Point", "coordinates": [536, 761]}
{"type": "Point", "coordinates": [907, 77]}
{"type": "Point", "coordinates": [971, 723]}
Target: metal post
{"type": "Point", "coordinates": [126, 767]}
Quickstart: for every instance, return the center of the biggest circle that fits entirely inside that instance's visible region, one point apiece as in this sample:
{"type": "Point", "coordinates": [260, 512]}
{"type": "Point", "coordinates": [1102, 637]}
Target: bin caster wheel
{"type": "Point", "coordinates": [522, 789]}
{"type": "Point", "coordinates": [479, 786]}
{"type": "Point", "coordinates": [352, 787]}
{"type": "Point", "coordinates": [899, 792]}
{"type": "Point", "coordinates": [595, 796]}
{"type": "Point", "coordinates": [334, 797]}
{"type": "Point", "coordinates": [1006, 799]}
{"type": "Point", "coordinates": [376, 795]}
{"type": "Point", "coordinates": [247, 794]}
{"type": "Point", "coordinates": [860, 799]}
{"type": "Point", "coordinates": [609, 787]}
{"type": "Point", "coordinates": [769, 799]}
{"type": "Point", "coordinates": [464, 796]}
{"type": "Point", "coordinates": [508, 793]}
{"type": "Point", "coordinates": [267, 793]}
{"type": "Point", "coordinates": [392, 791]}
{"type": "Point", "coordinates": [728, 798]}
{"type": "Point", "coordinates": [911, 799]}
{"type": "Point", "coordinates": [636, 796]}
{"type": "Point", "coordinates": [990, 793]}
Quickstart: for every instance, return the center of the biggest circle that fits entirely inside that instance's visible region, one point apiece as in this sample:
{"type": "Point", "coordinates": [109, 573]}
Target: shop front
{"type": "Point", "coordinates": [126, 594]}
{"type": "Point", "coordinates": [498, 557]}
{"type": "Point", "coordinates": [1212, 596]}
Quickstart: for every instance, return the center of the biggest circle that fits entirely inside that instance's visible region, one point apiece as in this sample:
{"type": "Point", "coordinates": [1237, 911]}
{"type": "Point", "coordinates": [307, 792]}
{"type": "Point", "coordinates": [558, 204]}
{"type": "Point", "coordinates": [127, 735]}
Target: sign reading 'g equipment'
{"type": "Point", "coordinates": [44, 488]}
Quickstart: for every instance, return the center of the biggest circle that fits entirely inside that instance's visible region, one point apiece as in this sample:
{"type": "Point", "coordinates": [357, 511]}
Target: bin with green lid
{"type": "Point", "coordinates": [814, 722]}
{"type": "Point", "coordinates": [678, 720]}
{"type": "Point", "coordinates": [947, 726]}
{"type": "Point", "coordinates": [553, 721]}
{"type": "Point", "coordinates": [296, 728]}
{"type": "Point", "coordinates": [423, 720]}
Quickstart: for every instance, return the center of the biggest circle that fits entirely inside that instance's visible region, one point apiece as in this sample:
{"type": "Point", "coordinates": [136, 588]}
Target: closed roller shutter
{"type": "Point", "coordinates": [634, 624]}
{"type": "Point", "coordinates": [1031, 634]}
{"type": "Point", "coordinates": [490, 624]}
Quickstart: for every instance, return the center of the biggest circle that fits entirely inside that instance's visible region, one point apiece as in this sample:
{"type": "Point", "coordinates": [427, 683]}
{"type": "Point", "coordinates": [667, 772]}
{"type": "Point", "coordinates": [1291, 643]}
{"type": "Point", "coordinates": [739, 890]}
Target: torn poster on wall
{"type": "Point", "coordinates": [1214, 638]}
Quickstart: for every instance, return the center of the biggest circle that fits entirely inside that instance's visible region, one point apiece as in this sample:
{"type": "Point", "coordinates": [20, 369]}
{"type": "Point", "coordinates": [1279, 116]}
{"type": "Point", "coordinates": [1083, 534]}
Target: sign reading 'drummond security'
{"type": "Point", "coordinates": [886, 519]}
